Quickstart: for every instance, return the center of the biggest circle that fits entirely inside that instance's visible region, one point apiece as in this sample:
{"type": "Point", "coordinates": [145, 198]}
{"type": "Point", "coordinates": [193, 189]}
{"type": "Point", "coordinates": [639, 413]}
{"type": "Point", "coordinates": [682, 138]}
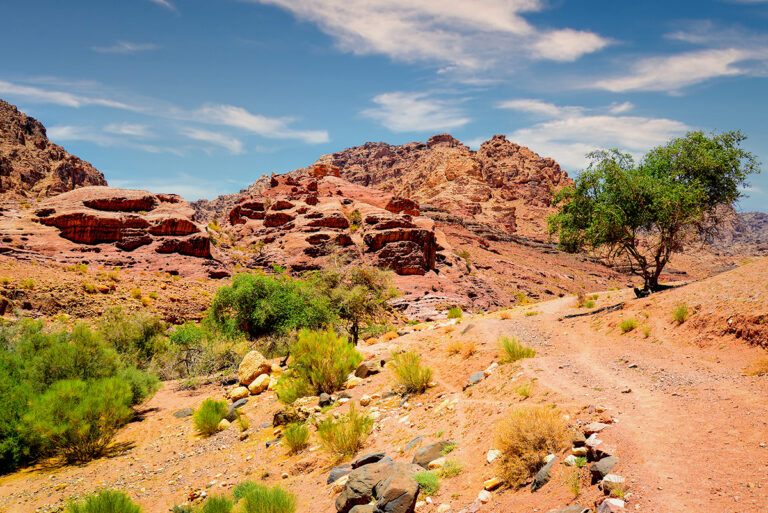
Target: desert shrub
{"type": "Point", "coordinates": [16, 444]}
{"type": "Point", "coordinates": [429, 482]}
{"type": "Point", "coordinates": [410, 373]}
{"type": "Point", "coordinates": [505, 314]}
{"type": "Point", "coordinates": [455, 313]}
{"type": "Point", "coordinates": [138, 337]}
{"type": "Point", "coordinates": [106, 501]}
{"type": "Point", "coordinates": [589, 303]}
{"type": "Point", "coordinates": [627, 325]}
{"type": "Point", "coordinates": [451, 468]}
{"type": "Point", "coordinates": [344, 436]}
{"type": "Point", "coordinates": [78, 419]}
{"type": "Point", "coordinates": [257, 498]}
{"type": "Point", "coordinates": [513, 350]}
{"type": "Point", "coordinates": [573, 482]}
{"type": "Point", "coordinates": [680, 315]}
{"type": "Point", "coordinates": [465, 349]}
{"type": "Point", "coordinates": [258, 304]}
{"type": "Point", "coordinates": [206, 418]}
{"type": "Point", "coordinates": [296, 436]}
{"type": "Point", "coordinates": [320, 362]}
{"type": "Point", "coordinates": [525, 438]}
{"type": "Point", "coordinates": [524, 390]}
{"type": "Point", "coordinates": [28, 284]}
{"type": "Point", "coordinates": [141, 384]}
{"type": "Point", "coordinates": [89, 287]}
{"type": "Point", "coordinates": [217, 504]}
{"type": "Point", "coordinates": [136, 293]}
{"type": "Point", "coordinates": [759, 367]}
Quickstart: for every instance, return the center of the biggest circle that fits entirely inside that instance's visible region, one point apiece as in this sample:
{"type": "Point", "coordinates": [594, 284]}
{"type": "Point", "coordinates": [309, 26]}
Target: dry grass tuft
{"type": "Point", "coordinates": [759, 367]}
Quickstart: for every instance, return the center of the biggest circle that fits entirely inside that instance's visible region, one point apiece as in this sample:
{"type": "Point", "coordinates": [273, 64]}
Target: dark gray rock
{"type": "Point", "coordinates": [396, 494]}
{"type": "Point", "coordinates": [431, 452]}
{"type": "Point", "coordinates": [337, 472]}
{"type": "Point", "coordinates": [368, 458]}
{"type": "Point", "coordinates": [184, 412]}
{"type": "Point", "coordinates": [270, 443]}
{"type": "Point", "coordinates": [368, 368]}
{"type": "Point", "coordinates": [602, 468]}
{"type": "Point", "coordinates": [413, 443]}
{"type": "Point", "coordinates": [324, 400]}
{"type": "Point", "coordinates": [364, 508]}
{"type": "Point", "coordinates": [232, 409]}
{"type": "Point", "coordinates": [543, 476]}
{"type": "Point", "coordinates": [344, 394]}
{"type": "Point", "coordinates": [390, 483]}
{"type": "Point", "coordinates": [387, 395]}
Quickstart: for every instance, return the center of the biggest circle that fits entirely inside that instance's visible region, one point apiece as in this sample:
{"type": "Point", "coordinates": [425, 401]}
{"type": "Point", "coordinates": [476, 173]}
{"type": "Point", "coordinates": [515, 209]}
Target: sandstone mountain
{"type": "Point", "coordinates": [31, 166]}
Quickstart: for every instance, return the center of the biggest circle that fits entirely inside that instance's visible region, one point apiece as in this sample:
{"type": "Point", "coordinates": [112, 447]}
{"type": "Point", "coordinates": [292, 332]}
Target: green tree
{"type": "Point", "coordinates": [645, 213]}
{"type": "Point", "coordinates": [357, 293]}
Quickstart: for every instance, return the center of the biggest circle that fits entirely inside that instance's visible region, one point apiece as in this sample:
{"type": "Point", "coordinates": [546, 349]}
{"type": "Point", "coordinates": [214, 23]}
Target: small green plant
{"type": "Point", "coordinates": [242, 422]}
{"type": "Point", "coordinates": [448, 449]}
{"type": "Point", "coordinates": [455, 313]}
{"type": "Point", "coordinates": [581, 461]}
{"type": "Point", "coordinates": [153, 295]}
{"type": "Point", "coordinates": [524, 390]}
{"type": "Point", "coordinates": [89, 287]}
{"type": "Point", "coordinates": [206, 419]}
{"type": "Point", "coordinates": [5, 280]}
{"type": "Point", "coordinates": [451, 468]}
{"type": "Point", "coordinates": [531, 313]}
{"type": "Point", "coordinates": [646, 331]}
{"type": "Point", "coordinates": [136, 293]}
{"type": "Point", "coordinates": [589, 303]}
{"type": "Point", "coordinates": [28, 284]}
{"type": "Point", "coordinates": [410, 373]}
{"type": "Point", "coordinates": [296, 436]}
{"type": "Point", "coordinates": [257, 498]}
{"type": "Point", "coordinates": [106, 501]}
{"type": "Point", "coordinates": [429, 482]}
{"type": "Point", "coordinates": [681, 313]}
{"type": "Point", "coordinates": [217, 504]}
{"type": "Point", "coordinates": [619, 491]}
{"type": "Point", "coordinates": [573, 481]}
{"type": "Point", "coordinates": [627, 325]}
{"type": "Point", "coordinates": [514, 350]}
{"type": "Point", "coordinates": [344, 436]}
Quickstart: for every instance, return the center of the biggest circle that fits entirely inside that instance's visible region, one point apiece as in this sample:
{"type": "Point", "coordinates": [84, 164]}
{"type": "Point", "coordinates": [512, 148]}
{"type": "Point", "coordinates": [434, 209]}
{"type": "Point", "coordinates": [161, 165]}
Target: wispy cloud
{"type": "Point", "coordinates": [164, 3]}
{"type": "Point", "coordinates": [190, 187]}
{"type": "Point", "coordinates": [570, 132]}
{"type": "Point", "coordinates": [125, 47]}
{"type": "Point", "coordinates": [231, 144]}
{"type": "Point", "coordinates": [454, 33]}
{"type": "Point", "coordinates": [131, 129]}
{"type": "Point", "coordinates": [41, 95]}
{"type": "Point", "coordinates": [64, 133]}
{"type": "Point", "coordinates": [415, 112]}
{"type": "Point", "coordinates": [238, 117]}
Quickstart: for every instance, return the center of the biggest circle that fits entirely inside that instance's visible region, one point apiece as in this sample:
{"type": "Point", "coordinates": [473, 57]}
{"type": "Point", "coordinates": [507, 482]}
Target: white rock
{"type": "Point", "coordinates": [611, 506]}
{"type": "Point", "coordinates": [484, 496]}
{"type": "Point", "coordinates": [570, 460]}
{"type": "Point", "coordinates": [492, 455]}
{"type": "Point", "coordinates": [443, 508]}
{"type": "Point", "coordinates": [338, 485]}
{"type": "Point", "coordinates": [260, 384]}
{"type": "Point", "coordinates": [435, 464]}
{"type": "Point", "coordinates": [548, 458]}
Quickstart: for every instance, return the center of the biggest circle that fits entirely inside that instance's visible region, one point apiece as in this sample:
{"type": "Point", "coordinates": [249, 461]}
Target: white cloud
{"type": "Point", "coordinates": [131, 129]}
{"type": "Point", "coordinates": [125, 47]}
{"type": "Point", "coordinates": [568, 44]}
{"type": "Point", "coordinates": [63, 133]}
{"type": "Point", "coordinates": [572, 132]}
{"type": "Point", "coordinates": [414, 112]}
{"type": "Point", "coordinates": [674, 72]}
{"type": "Point", "coordinates": [164, 3]}
{"type": "Point", "coordinates": [468, 35]}
{"type": "Point", "coordinates": [231, 144]}
{"type": "Point", "coordinates": [189, 187]}
{"type": "Point", "coordinates": [40, 95]}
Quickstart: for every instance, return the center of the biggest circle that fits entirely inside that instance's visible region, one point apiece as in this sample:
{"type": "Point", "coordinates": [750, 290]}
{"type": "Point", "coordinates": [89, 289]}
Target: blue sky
{"type": "Point", "coordinates": [202, 97]}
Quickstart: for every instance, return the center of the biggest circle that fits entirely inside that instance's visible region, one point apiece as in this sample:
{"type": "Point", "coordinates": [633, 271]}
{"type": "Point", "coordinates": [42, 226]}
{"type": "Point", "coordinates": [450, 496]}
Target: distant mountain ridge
{"type": "Point", "coordinates": [31, 166]}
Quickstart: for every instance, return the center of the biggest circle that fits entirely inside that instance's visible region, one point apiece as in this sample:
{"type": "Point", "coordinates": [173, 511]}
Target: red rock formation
{"type": "Point", "coordinates": [33, 167]}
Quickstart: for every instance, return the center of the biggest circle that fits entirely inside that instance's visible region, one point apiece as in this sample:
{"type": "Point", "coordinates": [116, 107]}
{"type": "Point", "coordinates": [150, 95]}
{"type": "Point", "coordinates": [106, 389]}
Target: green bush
{"type": "Point", "coordinates": [258, 305]}
{"type": "Point", "coordinates": [257, 498]}
{"type": "Point", "coordinates": [296, 436]}
{"type": "Point", "coordinates": [410, 373]}
{"type": "Point", "coordinates": [455, 313]}
{"type": "Point", "coordinates": [106, 501]}
{"type": "Point", "coordinates": [142, 384]}
{"type": "Point", "coordinates": [514, 350]}
{"type": "Point", "coordinates": [321, 362]}
{"type": "Point", "coordinates": [217, 504]}
{"type": "Point", "coordinates": [206, 419]}
{"type": "Point", "coordinates": [344, 436]}
{"type": "Point", "coordinates": [429, 483]}
{"type": "Point", "coordinates": [627, 325]}
{"type": "Point", "coordinates": [681, 313]}
{"type": "Point", "coordinates": [451, 468]}
{"type": "Point", "coordinates": [138, 337]}
{"type": "Point", "coordinates": [78, 419]}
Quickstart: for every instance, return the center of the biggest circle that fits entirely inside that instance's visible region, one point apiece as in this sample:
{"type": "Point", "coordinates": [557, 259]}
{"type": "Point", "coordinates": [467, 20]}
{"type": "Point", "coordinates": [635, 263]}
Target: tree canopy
{"type": "Point", "coordinates": [646, 212]}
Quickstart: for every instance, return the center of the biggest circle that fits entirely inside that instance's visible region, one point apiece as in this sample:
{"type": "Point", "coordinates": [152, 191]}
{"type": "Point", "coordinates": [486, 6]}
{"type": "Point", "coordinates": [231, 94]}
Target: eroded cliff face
{"type": "Point", "coordinates": [503, 185]}
{"type": "Point", "coordinates": [31, 166]}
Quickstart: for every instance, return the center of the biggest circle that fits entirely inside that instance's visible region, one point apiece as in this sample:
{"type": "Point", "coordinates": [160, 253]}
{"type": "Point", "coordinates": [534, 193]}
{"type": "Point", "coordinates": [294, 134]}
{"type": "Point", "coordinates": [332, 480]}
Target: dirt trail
{"type": "Point", "coordinates": [689, 432]}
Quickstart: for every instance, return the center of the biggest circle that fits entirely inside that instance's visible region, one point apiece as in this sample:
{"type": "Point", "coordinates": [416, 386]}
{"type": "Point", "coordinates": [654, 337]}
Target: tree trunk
{"type": "Point", "coordinates": [355, 332]}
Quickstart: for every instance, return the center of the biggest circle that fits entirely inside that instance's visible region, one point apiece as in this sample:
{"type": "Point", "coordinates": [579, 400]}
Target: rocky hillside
{"type": "Point", "coordinates": [747, 235]}
{"type": "Point", "coordinates": [31, 166]}
{"type": "Point", "coordinates": [503, 185]}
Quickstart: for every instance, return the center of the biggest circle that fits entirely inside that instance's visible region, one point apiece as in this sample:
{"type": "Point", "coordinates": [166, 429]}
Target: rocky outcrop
{"type": "Point", "coordinates": [298, 221]}
{"type": "Point", "coordinates": [31, 166]}
{"type": "Point", "coordinates": [504, 185]}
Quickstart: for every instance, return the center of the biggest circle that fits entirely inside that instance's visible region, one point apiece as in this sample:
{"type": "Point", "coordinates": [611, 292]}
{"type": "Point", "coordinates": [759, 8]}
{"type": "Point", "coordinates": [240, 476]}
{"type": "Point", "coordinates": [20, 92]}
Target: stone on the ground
{"type": "Point", "coordinates": [364, 508]}
{"type": "Point", "coordinates": [367, 458]}
{"type": "Point", "coordinates": [436, 463]}
{"type": "Point", "coordinates": [492, 455]}
{"type": "Point", "coordinates": [571, 509]}
{"type": "Point", "coordinates": [352, 382]}
{"type": "Point", "coordinates": [612, 481]}
{"type": "Point", "coordinates": [231, 415]}
{"type": "Point", "coordinates": [484, 496]}
{"type": "Point", "coordinates": [431, 452]}
{"type": "Point", "coordinates": [368, 368]}
{"type": "Point", "coordinates": [184, 412]}
{"type": "Point", "coordinates": [338, 485]}
{"type": "Point", "coordinates": [396, 494]}
{"type": "Point", "coordinates": [611, 506]}
{"type": "Point", "coordinates": [570, 460]}
{"type": "Point", "coordinates": [487, 372]}
{"type": "Point", "coordinates": [579, 451]}
{"type": "Point", "coordinates": [337, 472]}
{"type": "Point", "coordinates": [476, 377]}
{"type": "Point", "coordinates": [579, 439]}
{"type": "Point", "coordinates": [443, 508]}
{"type": "Point", "coordinates": [548, 458]}
{"type": "Point", "coordinates": [253, 365]}
{"type": "Point", "coordinates": [324, 400]}
{"type": "Point", "coordinates": [239, 393]}
{"type": "Point", "coordinates": [602, 468]}
{"type": "Point", "coordinates": [492, 483]}
{"type": "Point", "coordinates": [543, 476]}
{"type": "Point", "coordinates": [260, 384]}
{"type": "Point", "coordinates": [594, 427]}
{"type": "Point", "coordinates": [365, 400]}
{"type": "Point", "coordinates": [413, 443]}
{"type": "Point", "coordinates": [223, 424]}
{"type": "Point", "coordinates": [390, 483]}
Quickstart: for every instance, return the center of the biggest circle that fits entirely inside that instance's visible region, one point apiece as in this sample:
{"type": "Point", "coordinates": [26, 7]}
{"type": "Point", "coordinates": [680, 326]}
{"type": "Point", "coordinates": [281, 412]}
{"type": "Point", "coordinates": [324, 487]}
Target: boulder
{"type": "Point", "coordinates": [430, 453]}
{"type": "Point", "coordinates": [368, 368]}
{"type": "Point", "coordinates": [476, 377]}
{"type": "Point", "coordinates": [397, 493]}
{"type": "Point", "coordinates": [367, 459]}
{"type": "Point", "coordinates": [594, 427]}
{"type": "Point", "coordinates": [611, 506]}
{"type": "Point", "coordinates": [543, 476]}
{"type": "Point", "coordinates": [223, 424]}
{"type": "Point", "coordinates": [238, 393]}
{"type": "Point", "coordinates": [259, 384]}
{"type": "Point", "coordinates": [571, 509]}
{"type": "Point", "coordinates": [184, 412]}
{"type": "Point", "coordinates": [390, 483]}
{"type": "Point", "coordinates": [337, 472]}
{"type": "Point", "coordinates": [612, 481]}
{"type": "Point", "coordinates": [252, 366]}
{"type": "Point", "coordinates": [602, 468]}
